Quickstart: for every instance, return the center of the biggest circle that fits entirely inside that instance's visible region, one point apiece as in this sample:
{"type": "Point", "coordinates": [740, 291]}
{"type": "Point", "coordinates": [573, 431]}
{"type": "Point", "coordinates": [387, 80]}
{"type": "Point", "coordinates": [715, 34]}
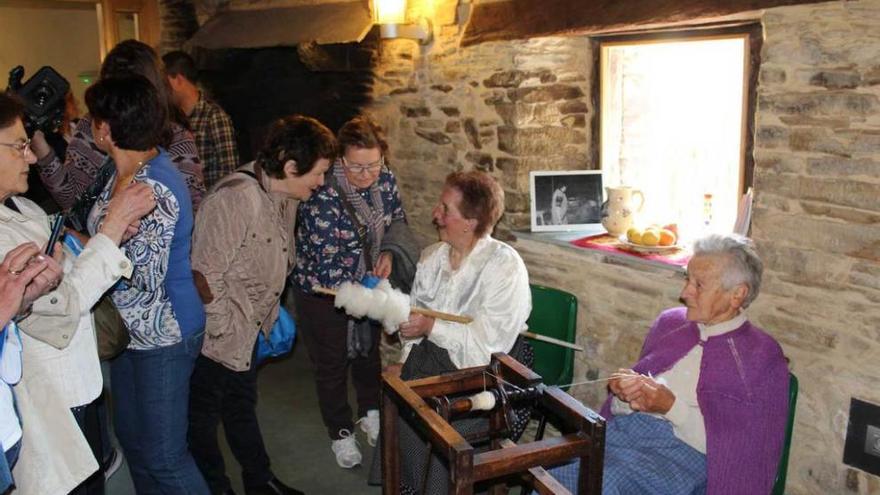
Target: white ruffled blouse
{"type": "Point", "coordinates": [491, 286]}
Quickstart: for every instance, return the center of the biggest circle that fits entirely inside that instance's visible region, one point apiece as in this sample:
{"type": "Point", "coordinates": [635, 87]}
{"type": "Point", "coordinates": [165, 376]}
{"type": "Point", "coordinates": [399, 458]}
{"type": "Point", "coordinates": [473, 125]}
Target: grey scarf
{"type": "Point", "coordinates": [372, 219]}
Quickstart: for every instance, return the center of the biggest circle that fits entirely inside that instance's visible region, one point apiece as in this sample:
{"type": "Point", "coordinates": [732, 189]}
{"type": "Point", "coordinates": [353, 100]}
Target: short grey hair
{"type": "Point", "coordinates": [743, 264]}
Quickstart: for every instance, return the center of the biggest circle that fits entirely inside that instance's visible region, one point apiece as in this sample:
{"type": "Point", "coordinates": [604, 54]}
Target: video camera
{"type": "Point", "coordinates": [43, 96]}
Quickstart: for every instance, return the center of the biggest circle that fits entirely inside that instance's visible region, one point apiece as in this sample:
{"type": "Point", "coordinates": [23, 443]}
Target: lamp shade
{"type": "Point", "coordinates": [389, 11]}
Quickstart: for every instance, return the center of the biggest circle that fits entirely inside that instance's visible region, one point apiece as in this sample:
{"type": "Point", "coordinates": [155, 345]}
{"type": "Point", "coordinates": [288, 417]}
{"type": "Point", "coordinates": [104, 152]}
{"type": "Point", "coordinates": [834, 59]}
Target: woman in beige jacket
{"type": "Point", "coordinates": [242, 253]}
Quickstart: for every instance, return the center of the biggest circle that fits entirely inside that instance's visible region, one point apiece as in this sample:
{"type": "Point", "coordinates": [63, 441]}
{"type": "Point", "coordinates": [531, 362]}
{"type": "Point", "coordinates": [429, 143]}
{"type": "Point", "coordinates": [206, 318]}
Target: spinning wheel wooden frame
{"type": "Point", "coordinates": [583, 431]}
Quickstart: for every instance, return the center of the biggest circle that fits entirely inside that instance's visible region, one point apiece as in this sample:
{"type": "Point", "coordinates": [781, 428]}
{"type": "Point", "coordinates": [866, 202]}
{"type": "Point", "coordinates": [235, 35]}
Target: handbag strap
{"type": "Point", "coordinates": [78, 214]}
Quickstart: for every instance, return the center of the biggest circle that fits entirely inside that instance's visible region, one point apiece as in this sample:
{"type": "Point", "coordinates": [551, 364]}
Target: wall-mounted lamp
{"type": "Point", "coordinates": [390, 15]}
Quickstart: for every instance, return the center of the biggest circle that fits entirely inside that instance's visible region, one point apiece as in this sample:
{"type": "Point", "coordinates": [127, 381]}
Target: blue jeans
{"type": "Point", "coordinates": [151, 399]}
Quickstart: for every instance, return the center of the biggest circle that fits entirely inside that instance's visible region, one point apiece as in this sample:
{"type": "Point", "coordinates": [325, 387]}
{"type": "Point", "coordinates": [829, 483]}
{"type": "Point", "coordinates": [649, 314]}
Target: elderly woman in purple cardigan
{"type": "Point", "coordinates": [704, 409]}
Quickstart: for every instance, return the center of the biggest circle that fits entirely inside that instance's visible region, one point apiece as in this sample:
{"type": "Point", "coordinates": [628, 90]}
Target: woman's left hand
{"type": "Point", "coordinates": [648, 395]}
{"type": "Point", "coordinates": [47, 280]}
{"type": "Point", "coordinates": [383, 265]}
{"type": "Point", "coordinates": [416, 326]}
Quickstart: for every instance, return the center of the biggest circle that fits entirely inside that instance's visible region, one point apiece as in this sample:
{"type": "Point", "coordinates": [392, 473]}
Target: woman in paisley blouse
{"type": "Point", "coordinates": [338, 239]}
{"type": "Point", "coordinates": [159, 303]}
{"type": "Point", "coordinates": [68, 177]}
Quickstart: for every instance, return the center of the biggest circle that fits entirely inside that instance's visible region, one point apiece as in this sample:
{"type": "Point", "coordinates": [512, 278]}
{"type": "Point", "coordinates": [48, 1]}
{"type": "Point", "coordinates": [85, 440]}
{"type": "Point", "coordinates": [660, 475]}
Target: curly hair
{"type": "Point", "coordinates": [482, 198]}
{"type": "Point", "coordinates": [362, 132]}
{"type": "Point", "coordinates": [131, 107]}
{"type": "Point", "coordinates": [302, 139]}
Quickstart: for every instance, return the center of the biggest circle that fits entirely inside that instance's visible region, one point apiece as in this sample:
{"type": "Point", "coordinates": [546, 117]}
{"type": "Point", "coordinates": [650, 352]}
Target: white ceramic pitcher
{"type": "Point", "coordinates": [618, 210]}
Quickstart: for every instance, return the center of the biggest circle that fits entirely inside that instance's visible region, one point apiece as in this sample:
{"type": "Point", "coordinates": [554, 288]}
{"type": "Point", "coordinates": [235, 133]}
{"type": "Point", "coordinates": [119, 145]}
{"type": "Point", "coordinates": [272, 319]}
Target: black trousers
{"type": "Point", "coordinates": [88, 420]}
{"type": "Point", "coordinates": [217, 394]}
{"type": "Point", "coordinates": [324, 329]}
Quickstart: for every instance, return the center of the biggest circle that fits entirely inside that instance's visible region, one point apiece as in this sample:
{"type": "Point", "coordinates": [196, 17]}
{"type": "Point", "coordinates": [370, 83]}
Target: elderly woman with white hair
{"type": "Point", "coordinates": [704, 409]}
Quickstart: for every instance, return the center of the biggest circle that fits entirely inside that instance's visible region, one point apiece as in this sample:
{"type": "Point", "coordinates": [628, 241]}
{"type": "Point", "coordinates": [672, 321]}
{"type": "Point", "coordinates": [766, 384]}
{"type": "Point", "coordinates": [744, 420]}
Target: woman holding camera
{"type": "Point", "coordinates": [68, 180]}
{"type": "Point", "coordinates": [159, 303]}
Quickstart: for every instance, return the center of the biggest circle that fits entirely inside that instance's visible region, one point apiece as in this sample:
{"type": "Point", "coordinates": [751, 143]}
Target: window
{"type": "Point", "coordinates": [673, 124]}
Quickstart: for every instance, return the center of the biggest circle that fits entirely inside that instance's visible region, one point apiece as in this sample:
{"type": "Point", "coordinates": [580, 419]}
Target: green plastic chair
{"type": "Point", "coordinates": [782, 472]}
{"type": "Point", "coordinates": [554, 314]}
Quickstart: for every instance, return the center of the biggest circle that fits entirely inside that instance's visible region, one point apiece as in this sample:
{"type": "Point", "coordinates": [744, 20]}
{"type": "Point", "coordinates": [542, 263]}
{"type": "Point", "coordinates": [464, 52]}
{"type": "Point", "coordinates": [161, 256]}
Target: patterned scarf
{"type": "Point", "coordinates": [359, 337]}
{"type": "Point", "coordinates": [370, 217]}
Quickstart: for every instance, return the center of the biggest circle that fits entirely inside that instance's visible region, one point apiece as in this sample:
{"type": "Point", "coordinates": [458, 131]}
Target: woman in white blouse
{"type": "Point", "coordinates": [60, 371]}
{"type": "Point", "coordinates": [467, 273]}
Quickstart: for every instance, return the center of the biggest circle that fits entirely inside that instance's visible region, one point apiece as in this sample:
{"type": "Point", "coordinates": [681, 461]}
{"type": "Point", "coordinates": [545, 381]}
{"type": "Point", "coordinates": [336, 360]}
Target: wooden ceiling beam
{"type": "Point", "coordinates": [521, 19]}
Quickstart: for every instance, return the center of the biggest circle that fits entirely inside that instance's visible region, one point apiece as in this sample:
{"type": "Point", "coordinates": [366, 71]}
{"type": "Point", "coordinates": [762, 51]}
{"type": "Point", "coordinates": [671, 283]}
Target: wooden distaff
{"type": "Point", "coordinates": [467, 319]}
{"type": "Point", "coordinates": [422, 311]}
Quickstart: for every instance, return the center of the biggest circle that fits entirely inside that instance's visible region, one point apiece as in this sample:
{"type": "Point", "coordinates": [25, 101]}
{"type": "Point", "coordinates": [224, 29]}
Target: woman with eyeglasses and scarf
{"type": "Point", "coordinates": [340, 232]}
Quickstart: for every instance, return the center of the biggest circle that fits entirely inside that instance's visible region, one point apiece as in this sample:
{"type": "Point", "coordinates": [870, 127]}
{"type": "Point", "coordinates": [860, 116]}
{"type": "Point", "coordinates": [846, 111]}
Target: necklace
{"type": "Point", "coordinates": [153, 154]}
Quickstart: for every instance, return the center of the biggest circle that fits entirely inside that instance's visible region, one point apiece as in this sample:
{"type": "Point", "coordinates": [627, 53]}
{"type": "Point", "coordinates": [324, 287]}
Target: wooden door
{"type": "Point", "coordinates": [127, 19]}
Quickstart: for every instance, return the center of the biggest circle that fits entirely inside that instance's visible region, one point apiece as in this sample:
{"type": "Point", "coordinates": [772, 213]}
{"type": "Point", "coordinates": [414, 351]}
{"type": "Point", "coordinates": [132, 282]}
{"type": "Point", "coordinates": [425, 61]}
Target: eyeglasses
{"type": "Point", "coordinates": [23, 147]}
{"type": "Point", "coordinates": [357, 168]}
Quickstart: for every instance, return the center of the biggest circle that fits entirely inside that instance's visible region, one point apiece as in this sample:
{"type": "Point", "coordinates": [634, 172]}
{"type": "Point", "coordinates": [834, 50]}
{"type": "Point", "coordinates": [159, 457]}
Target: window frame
{"type": "Point", "coordinates": [753, 33]}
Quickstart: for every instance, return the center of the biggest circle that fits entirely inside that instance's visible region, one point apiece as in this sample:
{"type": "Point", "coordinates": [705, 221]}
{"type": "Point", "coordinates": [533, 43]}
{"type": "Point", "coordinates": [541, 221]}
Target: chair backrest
{"type": "Point", "coordinates": [782, 471]}
{"type": "Point", "coordinates": [554, 314]}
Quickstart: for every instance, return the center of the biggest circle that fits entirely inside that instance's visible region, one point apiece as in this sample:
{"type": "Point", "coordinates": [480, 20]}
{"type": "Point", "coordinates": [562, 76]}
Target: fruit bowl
{"type": "Point", "coordinates": [640, 248]}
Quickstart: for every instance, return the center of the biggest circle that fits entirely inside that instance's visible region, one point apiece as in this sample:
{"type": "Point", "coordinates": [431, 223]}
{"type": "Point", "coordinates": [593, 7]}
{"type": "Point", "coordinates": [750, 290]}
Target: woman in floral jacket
{"type": "Point", "coordinates": [339, 238]}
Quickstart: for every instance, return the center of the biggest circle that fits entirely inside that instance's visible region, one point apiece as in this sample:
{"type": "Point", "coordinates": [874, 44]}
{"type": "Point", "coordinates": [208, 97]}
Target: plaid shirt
{"type": "Point", "coordinates": [215, 139]}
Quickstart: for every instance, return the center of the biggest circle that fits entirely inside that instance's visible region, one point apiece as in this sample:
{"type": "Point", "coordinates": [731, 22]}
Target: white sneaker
{"type": "Point", "coordinates": [370, 425]}
{"type": "Point", "coordinates": [348, 455]}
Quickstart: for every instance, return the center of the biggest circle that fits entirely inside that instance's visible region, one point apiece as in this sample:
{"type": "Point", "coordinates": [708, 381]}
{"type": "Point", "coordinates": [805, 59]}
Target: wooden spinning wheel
{"type": "Point", "coordinates": [425, 405]}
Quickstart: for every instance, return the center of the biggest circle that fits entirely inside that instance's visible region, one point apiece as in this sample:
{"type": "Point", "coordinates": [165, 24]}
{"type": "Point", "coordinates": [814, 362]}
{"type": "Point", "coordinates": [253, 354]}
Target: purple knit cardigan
{"type": "Point", "coordinates": [742, 392]}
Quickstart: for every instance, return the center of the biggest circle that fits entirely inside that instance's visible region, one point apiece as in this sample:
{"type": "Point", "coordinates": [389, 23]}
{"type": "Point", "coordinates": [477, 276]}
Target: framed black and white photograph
{"type": "Point", "coordinates": [565, 200]}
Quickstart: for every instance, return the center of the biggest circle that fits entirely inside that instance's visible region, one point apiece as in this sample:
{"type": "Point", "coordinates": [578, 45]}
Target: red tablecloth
{"type": "Point", "coordinates": [605, 242]}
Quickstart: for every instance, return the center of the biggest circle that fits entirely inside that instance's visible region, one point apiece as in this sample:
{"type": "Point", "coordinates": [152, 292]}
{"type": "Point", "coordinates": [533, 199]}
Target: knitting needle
{"type": "Point", "coordinates": [551, 340]}
{"type": "Point", "coordinates": [610, 377]}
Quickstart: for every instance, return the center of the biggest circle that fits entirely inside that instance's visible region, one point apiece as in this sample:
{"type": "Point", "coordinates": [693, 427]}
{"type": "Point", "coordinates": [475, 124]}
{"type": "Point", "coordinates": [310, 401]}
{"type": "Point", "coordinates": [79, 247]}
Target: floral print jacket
{"type": "Point", "coordinates": [327, 242]}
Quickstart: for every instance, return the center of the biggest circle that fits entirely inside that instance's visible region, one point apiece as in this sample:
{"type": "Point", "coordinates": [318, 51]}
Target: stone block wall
{"type": "Point", "coordinates": [505, 108]}
{"type": "Point", "coordinates": [817, 222]}
{"type": "Point", "coordinates": [511, 107]}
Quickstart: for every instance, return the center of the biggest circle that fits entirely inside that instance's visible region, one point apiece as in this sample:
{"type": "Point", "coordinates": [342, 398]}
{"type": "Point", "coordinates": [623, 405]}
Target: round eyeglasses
{"type": "Point", "coordinates": [23, 147]}
{"type": "Point", "coordinates": [358, 168]}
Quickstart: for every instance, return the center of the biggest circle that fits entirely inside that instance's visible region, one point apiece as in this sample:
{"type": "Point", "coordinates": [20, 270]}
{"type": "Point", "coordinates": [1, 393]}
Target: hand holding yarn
{"type": "Point", "coordinates": [416, 326]}
{"type": "Point", "coordinates": [382, 303]}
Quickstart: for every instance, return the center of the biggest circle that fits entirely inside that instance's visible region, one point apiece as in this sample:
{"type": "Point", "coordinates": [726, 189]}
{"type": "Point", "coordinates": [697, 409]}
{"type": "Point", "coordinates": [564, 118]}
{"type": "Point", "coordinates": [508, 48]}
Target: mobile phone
{"type": "Point", "coordinates": [57, 227]}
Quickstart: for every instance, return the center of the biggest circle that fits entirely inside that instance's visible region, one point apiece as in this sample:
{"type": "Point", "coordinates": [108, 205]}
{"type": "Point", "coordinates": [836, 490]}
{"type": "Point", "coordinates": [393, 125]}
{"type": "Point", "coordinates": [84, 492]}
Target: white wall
{"type": "Point", "coordinates": [66, 39]}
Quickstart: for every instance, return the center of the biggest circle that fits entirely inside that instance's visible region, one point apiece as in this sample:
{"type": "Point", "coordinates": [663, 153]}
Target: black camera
{"type": "Point", "coordinates": [43, 96]}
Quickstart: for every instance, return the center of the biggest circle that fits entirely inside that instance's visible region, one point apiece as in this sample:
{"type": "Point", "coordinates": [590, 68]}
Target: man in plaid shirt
{"type": "Point", "coordinates": [215, 136]}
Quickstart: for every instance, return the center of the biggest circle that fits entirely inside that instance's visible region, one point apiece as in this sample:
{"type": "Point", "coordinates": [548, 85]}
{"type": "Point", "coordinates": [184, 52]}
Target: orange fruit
{"type": "Point", "coordinates": [667, 237]}
{"type": "Point", "coordinates": [672, 227]}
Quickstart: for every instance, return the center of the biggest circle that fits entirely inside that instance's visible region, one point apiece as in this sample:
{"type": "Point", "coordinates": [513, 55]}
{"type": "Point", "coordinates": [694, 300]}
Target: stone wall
{"type": "Point", "coordinates": [511, 107]}
{"type": "Point", "coordinates": [505, 108]}
{"type": "Point", "coordinates": [817, 222]}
